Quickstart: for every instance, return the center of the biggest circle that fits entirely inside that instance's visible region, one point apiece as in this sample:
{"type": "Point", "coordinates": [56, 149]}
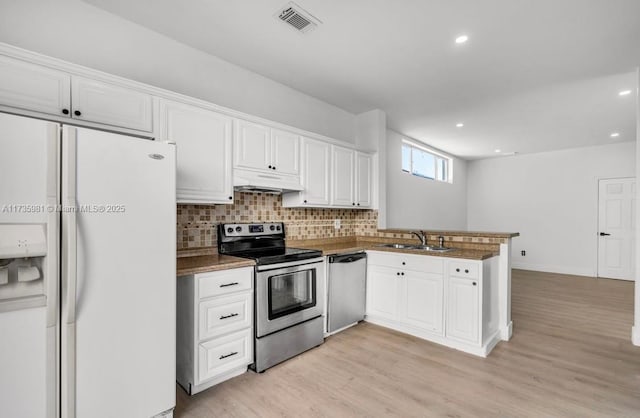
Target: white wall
{"type": "Point", "coordinates": [414, 202]}
{"type": "Point", "coordinates": [82, 34]}
{"type": "Point", "coordinates": [551, 198]}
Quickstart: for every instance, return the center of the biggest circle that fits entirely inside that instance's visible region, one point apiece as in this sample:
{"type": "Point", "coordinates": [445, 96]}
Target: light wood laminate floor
{"type": "Point", "coordinates": [570, 356]}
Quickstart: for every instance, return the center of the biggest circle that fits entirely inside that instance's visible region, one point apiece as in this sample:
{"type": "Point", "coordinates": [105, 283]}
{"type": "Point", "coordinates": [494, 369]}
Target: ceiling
{"type": "Point", "coordinates": [535, 75]}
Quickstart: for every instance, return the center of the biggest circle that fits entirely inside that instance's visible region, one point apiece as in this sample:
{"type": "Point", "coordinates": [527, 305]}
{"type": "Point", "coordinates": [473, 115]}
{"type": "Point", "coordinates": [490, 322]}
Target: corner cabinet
{"type": "Point", "coordinates": [41, 90]}
{"type": "Point", "coordinates": [204, 140]}
{"type": "Point", "coordinates": [214, 327]}
{"type": "Point", "coordinates": [449, 301]}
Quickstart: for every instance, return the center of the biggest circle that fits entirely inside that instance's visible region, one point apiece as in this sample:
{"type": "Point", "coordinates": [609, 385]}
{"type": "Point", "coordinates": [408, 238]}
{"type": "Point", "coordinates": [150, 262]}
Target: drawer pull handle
{"type": "Point", "coordinates": [229, 316]}
{"type": "Point", "coordinates": [229, 284]}
{"type": "Point", "coordinates": [228, 355]}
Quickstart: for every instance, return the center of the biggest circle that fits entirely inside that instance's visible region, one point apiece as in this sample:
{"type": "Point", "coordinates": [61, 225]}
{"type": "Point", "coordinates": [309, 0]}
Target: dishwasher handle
{"type": "Point", "coordinates": [347, 258]}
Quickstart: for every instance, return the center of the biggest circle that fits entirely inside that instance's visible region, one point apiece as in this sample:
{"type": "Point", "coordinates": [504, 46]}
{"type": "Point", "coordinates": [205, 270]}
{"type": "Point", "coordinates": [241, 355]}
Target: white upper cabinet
{"type": "Point", "coordinates": [34, 88]}
{"type": "Point", "coordinates": [316, 172]}
{"type": "Point", "coordinates": [363, 180]}
{"type": "Point", "coordinates": [203, 140]}
{"type": "Point", "coordinates": [261, 148]}
{"type": "Point", "coordinates": [343, 193]}
{"type": "Point", "coordinates": [285, 152]}
{"type": "Point", "coordinates": [105, 103]}
{"type": "Point", "coordinates": [252, 146]}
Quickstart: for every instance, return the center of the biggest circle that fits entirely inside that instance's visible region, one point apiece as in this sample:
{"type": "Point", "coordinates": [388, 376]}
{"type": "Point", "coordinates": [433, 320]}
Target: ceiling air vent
{"type": "Point", "coordinates": [297, 18]}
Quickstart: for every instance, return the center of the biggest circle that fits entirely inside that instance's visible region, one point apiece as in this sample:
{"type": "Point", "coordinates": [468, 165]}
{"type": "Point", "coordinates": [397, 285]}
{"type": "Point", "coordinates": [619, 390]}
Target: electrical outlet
{"type": "Point", "coordinates": [336, 224]}
{"type": "Point", "coordinates": [523, 253]}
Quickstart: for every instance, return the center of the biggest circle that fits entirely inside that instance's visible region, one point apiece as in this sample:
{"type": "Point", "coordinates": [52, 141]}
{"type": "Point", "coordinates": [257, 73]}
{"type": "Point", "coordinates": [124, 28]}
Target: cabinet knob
{"type": "Point", "coordinates": [65, 111]}
{"type": "Point", "coordinates": [358, 204]}
{"type": "Point", "coordinates": [398, 273]}
{"type": "Point", "coordinates": [354, 203]}
{"type": "Point", "coordinates": [305, 201]}
{"type": "Point", "coordinates": [270, 167]}
{"type": "Point", "coordinates": [458, 270]}
{"type": "Point", "coordinates": [77, 113]}
{"type": "Point", "coordinates": [474, 283]}
{"type": "Point", "coordinates": [402, 273]}
{"type": "Point", "coordinates": [230, 197]}
{"type": "Point", "coordinates": [466, 270]}
{"type": "Point", "coordinates": [404, 264]}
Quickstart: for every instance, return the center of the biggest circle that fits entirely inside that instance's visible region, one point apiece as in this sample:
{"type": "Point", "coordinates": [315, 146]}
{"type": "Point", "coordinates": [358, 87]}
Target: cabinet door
{"type": "Point", "coordinates": [105, 103]}
{"type": "Point", "coordinates": [382, 292]}
{"type": "Point", "coordinates": [285, 152]}
{"type": "Point", "coordinates": [203, 140]}
{"type": "Point", "coordinates": [33, 87]}
{"type": "Point", "coordinates": [252, 146]}
{"type": "Point", "coordinates": [363, 180]}
{"type": "Point", "coordinates": [343, 177]}
{"type": "Point", "coordinates": [316, 163]}
{"type": "Point", "coordinates": [463, 315]}
{"type": "Point", "coordinates": [423, 300]}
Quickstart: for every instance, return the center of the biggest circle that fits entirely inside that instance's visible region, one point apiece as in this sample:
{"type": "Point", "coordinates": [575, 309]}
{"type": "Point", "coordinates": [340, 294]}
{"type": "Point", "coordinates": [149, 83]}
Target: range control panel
{"type": "Point", "coordinates": [251, 230]}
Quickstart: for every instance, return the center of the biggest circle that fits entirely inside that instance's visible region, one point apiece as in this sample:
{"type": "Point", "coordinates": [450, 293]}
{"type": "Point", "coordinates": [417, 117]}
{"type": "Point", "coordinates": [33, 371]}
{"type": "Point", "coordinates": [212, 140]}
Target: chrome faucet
{"type": "Point", "coordinates": [441, 241]}
{"type": "Point", "coordinates": [421, 236]}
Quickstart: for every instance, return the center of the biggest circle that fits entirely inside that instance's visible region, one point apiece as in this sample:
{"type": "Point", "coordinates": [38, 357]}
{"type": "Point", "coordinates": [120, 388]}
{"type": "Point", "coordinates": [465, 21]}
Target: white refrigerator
{"type": "Point", "coordinates": [87, 272]}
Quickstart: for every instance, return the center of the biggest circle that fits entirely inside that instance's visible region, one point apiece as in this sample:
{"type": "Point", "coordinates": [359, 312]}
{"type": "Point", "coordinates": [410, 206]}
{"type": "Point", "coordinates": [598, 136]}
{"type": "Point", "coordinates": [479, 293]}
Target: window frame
{"type": "Point", "coordinates": [448, 161]}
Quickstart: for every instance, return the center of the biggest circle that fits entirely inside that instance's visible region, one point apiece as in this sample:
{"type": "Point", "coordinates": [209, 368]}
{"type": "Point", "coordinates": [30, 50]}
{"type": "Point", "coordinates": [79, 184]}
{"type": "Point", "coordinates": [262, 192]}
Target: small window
{"type": "Point", "coordinates": [425, 163]}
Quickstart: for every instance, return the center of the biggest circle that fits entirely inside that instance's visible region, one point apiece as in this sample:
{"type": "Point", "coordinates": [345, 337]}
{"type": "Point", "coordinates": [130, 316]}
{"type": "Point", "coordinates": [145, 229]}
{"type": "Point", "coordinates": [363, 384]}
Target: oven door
{"type": "Point", "coordinates": [288, 293]}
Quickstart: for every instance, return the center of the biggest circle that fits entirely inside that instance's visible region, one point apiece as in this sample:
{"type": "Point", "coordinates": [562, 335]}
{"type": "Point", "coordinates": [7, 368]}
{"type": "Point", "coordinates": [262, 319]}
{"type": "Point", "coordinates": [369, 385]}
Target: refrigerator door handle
{"type": "Point", "coordinates": [69, 272]}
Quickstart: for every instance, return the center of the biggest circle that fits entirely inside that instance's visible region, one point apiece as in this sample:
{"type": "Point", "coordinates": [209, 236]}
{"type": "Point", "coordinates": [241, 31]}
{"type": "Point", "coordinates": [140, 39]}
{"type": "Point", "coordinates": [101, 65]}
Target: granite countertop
{"type": "Point", "coordinates": [332, 248]}
{"type": "Point", "coordinates": [203, 260]}
{"type": "Point", "coordinates": [454, 233]}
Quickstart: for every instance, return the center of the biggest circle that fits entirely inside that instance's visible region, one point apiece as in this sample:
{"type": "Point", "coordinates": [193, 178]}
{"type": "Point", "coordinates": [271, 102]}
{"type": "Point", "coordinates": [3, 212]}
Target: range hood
{"type": "Point", "coordinates": [255, 182]}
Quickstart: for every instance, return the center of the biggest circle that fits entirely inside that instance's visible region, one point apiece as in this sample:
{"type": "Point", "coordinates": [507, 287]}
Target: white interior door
{"type": "Point", "coordinates": [616, 224]}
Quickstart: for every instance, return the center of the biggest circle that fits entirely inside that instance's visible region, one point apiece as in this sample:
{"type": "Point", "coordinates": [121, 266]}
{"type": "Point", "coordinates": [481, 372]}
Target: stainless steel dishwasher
{"type": "Point", "coordinates": [347, 281]}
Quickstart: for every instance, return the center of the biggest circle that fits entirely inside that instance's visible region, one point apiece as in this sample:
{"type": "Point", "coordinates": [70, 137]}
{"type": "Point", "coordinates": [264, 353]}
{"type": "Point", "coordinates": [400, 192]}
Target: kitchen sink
{"type": "Point", "coordinates": [417, 247]}
{"type": "Point", "coordinates": [399, 246]}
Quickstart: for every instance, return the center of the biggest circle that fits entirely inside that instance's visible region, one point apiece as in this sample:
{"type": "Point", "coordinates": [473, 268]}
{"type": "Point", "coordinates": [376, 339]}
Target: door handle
{"type": "Point", "coordinates": [604, 234]}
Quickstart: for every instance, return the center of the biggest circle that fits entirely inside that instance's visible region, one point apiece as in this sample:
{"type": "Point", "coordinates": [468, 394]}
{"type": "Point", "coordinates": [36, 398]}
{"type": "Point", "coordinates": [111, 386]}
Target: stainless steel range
{"type": "Point", "coordinates": [289, 285]}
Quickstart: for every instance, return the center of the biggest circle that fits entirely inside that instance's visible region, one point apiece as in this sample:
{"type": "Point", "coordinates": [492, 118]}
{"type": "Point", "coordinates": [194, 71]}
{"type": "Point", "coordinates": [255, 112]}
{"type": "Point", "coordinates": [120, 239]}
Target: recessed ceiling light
{"type": "Point", "coordinates": [462, 39]}
{"type": "Point", "coordinates": [615, 135]}
{"type": "Point", "coordinates": [459, 125]}
{"type": "Point", "coordinates": [498, 150]}
{"type": "Point", "coordinates": [624, 93]}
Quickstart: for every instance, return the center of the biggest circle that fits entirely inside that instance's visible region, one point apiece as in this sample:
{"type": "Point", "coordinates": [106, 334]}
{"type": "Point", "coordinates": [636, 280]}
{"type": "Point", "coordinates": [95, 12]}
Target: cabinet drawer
{"type": "Point", "coordinates": [422, 263]}
{"type": "Point", "coordinates": [224, 282]}
{"type": "Point", "coordinates": [464, 269]}
{"type": "Point", "coordinates": [223, 354]}
{"type": "Point", "coordinates": [225, 314]}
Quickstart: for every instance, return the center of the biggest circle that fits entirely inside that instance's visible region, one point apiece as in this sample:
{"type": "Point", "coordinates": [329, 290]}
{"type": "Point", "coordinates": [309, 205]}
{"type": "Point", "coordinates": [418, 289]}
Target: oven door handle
{"type": "Point", "coordinates": [290, 264]}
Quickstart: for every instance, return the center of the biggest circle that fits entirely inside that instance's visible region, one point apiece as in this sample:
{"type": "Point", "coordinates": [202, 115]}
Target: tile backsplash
{"type": "Point", "coordinates": [196, 224]}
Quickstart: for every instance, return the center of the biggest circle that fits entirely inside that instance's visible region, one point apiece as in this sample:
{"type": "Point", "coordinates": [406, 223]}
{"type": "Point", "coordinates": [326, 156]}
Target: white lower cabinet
{"type": "Point", "coordinates": [214, 327]}
{"type": "Point", "coordinates": [449, 301]}
{"type": "Point", "coordinates": [382, 292]}
{"type": "Point", "coordinates": [423, 300]}
{"type": "Point", "coordinates": [463, 316]}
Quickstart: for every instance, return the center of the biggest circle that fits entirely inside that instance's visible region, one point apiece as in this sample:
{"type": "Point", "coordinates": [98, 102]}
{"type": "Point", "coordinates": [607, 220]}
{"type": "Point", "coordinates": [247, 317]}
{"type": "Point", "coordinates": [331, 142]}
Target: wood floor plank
{"type": "Point", "coordinates": [570, 356]}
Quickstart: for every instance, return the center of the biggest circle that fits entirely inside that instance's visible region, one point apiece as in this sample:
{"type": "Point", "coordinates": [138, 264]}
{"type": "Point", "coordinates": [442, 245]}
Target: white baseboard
{"type": "Point", "coordinates": [635, 335]}
{"type": "Point", "coordinates": [575, 271]}
{"type": "Point", "coordinates": [506, 332]}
